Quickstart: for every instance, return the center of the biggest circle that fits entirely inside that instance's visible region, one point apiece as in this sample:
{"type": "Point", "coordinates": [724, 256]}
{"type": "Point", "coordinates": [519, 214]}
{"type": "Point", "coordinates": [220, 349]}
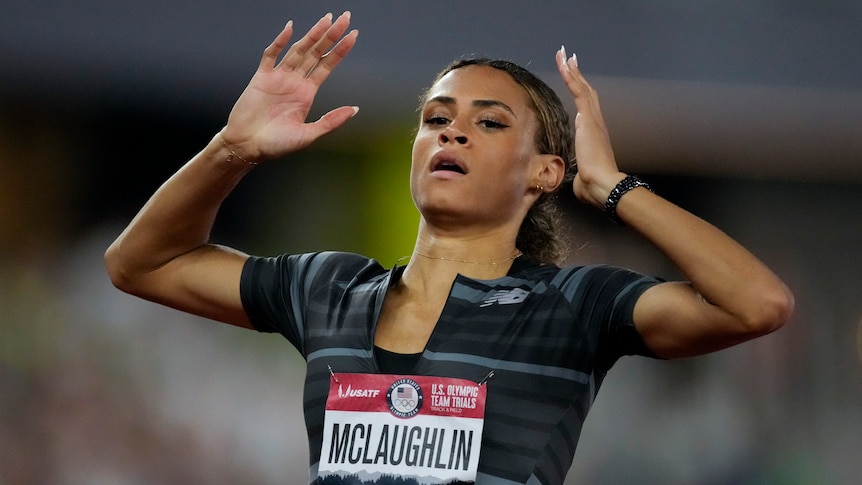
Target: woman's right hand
{"type": "Point", "coordinates": [269, 118]}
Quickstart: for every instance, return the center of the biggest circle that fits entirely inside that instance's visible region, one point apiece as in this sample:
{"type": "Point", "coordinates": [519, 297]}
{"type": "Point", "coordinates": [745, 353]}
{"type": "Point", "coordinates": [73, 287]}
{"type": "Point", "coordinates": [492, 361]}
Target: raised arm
{"type": "Point", "coordinates": [164, 254]}
{"type": "Point", "coordinates": [730, 296]}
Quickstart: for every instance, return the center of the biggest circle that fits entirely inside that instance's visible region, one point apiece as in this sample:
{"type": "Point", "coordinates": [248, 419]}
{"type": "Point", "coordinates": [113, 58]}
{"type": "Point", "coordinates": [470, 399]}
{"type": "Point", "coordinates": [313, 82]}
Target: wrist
{"type": "Point", "coordinates": [629, 183]}
{"type": "Point", "coordinates": [234, 155]}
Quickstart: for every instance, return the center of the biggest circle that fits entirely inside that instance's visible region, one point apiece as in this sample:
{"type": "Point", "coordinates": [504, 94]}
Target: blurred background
{"type": "Point", "coordinates": [745, 112]}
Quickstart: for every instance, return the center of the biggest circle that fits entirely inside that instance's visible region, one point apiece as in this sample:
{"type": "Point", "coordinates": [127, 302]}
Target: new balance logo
{"type": "Point", "coordinates": [506, 297]}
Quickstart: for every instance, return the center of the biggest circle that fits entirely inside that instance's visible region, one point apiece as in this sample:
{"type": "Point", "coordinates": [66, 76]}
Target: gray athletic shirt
{"type": "Point", "coordinates": [549, 335]}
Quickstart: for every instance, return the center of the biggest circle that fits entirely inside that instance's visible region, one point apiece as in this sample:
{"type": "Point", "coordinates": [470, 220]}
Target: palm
{"type": "Point", "coordinates": [273, 109]}
{"type": "Point", "coordinates": [269, 118]}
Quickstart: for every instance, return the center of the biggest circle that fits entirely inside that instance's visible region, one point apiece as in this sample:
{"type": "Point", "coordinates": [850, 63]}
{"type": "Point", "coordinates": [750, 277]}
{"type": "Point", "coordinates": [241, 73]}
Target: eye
{"type": "Point", "coordinates": [492, 124]}
{"type": "Point", "coordinates": [436, 120]}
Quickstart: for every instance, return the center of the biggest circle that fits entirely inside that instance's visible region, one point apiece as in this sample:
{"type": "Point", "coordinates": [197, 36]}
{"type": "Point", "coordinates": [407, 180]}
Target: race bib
{"type": "Point", "coordinates": [378, 427]}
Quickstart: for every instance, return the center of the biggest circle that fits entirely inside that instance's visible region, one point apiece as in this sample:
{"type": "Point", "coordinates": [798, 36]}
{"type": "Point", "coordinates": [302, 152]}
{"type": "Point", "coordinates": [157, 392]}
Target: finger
{"type": "Point", "coordinates": [574, 80]}
{"type": "Point", "coordinates": [329, 122]}
{"type": "Point", "coordinates": [272, 51]}
{"type": "Point", "coordinates": [586, 97]}
{"type": "Point", "coordinates": [304, 55]}
{"type": "Point", "coordinates": [323, 46]}
{"type": "Point", "coordinates": [335, 118]}
{"type": "Point", "coordinates": [296, 55]}
{"type": "Point", "coordinates": [332, 58]}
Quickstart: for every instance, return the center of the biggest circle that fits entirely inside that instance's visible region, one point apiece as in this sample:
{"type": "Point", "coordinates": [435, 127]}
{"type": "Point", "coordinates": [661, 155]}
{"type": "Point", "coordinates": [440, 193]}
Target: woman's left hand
{"type": "Point", "coordinates": [597, 169]}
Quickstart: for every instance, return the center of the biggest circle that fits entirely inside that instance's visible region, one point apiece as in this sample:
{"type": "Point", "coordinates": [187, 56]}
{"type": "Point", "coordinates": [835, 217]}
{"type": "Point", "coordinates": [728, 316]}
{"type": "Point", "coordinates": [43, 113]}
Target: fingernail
{"type": "Point", "coordinates": [575, 59]}
{"type": "Point", "coordinates": [346, 13]}
{"type": "Point", "coordinates": [563, 51]}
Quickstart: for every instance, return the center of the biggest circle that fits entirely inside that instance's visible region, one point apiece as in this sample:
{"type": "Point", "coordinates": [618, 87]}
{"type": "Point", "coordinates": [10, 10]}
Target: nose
{"type": "Point", "coordinates": [452, 135]}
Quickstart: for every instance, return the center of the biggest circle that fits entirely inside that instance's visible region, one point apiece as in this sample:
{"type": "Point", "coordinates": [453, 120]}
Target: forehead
{"type": "Point", "coordinates": [470, 83]}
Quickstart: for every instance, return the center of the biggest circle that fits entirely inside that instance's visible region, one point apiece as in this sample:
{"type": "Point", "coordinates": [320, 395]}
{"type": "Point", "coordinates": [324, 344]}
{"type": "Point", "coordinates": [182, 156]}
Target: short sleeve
{"type": "Point", "coordinates": [277, 292]}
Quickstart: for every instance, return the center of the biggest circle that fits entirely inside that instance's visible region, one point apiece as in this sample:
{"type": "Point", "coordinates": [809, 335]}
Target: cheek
{"type": "Point", "coordinates": [419, 147]}
{"type": "Point", "coordinates": [423, 144]}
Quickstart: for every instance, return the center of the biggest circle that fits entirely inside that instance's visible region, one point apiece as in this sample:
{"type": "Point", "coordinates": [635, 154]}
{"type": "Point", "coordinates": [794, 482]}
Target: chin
{"type": "Point", "coordinates": [443, 213]}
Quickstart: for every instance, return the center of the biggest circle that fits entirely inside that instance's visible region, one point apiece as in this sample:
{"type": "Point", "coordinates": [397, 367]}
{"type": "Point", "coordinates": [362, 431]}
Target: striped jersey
{"type": "Point", "coordinates": [548, 334]}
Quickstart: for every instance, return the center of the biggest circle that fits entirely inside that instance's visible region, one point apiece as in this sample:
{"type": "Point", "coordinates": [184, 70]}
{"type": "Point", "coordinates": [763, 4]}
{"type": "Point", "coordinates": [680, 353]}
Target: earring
{"type": "Point", "coordinates": [540, 188]}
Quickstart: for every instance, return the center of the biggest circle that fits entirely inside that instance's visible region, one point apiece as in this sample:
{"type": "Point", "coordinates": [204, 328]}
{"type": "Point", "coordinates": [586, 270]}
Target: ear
{"type": "Point", "coordinates": [549, 171]}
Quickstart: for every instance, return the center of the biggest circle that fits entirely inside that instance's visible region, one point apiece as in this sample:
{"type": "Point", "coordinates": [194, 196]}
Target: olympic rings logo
{"type": "Point", "coordinates": [404, 398]}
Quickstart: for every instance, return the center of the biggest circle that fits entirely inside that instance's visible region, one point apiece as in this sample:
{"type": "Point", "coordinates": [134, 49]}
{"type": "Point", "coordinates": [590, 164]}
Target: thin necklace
{"type": "Point", "coordinates": [491, 263]}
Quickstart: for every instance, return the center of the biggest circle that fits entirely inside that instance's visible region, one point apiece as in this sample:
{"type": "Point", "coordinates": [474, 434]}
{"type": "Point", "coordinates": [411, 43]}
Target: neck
{"type": "Point", "coordinates": [443, 252]}
{"type": "Point", "coordinates": [516, 254]}
{"type": "Point", "coordinates": [438, 259]}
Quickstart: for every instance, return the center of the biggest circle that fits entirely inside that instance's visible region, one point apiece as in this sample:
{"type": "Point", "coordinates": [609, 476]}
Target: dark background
{"type": "Point", "coordinates": [746, 113]}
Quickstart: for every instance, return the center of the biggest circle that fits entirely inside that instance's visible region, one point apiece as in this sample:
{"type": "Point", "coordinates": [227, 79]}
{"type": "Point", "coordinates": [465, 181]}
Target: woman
{"type": "Point", "coordinates": [478, 360]}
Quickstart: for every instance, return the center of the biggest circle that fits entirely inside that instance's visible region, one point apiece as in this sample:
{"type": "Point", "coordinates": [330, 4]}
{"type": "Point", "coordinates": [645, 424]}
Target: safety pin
{"type": "Point", "coordinates": [490, 375]}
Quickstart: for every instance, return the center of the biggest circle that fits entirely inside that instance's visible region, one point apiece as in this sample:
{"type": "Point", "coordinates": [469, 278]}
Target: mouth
{"type": "Point", "coordinates": [447, 163]}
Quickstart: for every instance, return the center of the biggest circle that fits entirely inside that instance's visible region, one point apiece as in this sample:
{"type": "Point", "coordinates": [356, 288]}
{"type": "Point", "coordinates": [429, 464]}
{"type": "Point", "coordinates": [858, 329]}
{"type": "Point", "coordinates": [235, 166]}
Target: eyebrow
{"type": "Point", "coordinates": [478, 103]}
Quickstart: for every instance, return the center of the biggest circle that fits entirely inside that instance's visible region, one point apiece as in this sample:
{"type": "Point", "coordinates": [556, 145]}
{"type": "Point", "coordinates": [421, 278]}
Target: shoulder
{"type": "Point", "coordinates": [588, 282]}
{"type": "Point", "coordinates": [277, 288]}
{"type": "Point", "coordinates": [336, 265]}
{"type": "Point", "coordinates": [576, 274]}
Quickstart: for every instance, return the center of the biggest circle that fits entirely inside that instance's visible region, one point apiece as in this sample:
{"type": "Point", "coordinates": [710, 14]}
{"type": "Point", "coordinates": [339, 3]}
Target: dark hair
{"type": "Point", "coordinates": [538, 237]}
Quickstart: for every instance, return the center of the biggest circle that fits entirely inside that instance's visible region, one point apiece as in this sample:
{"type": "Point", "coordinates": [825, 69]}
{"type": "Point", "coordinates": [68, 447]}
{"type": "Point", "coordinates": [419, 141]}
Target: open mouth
{"type": "Point", "coordinates": [447, 164]}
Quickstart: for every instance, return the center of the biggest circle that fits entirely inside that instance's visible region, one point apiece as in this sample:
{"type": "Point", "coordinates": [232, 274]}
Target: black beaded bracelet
{"type": "Point", "coordinates": [625, 185]}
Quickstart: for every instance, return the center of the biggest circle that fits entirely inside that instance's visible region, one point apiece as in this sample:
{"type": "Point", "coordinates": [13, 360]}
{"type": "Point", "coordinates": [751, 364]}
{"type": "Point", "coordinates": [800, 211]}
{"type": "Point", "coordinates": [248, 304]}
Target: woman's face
{"type": "Point", "coordinates": [473, 154]}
